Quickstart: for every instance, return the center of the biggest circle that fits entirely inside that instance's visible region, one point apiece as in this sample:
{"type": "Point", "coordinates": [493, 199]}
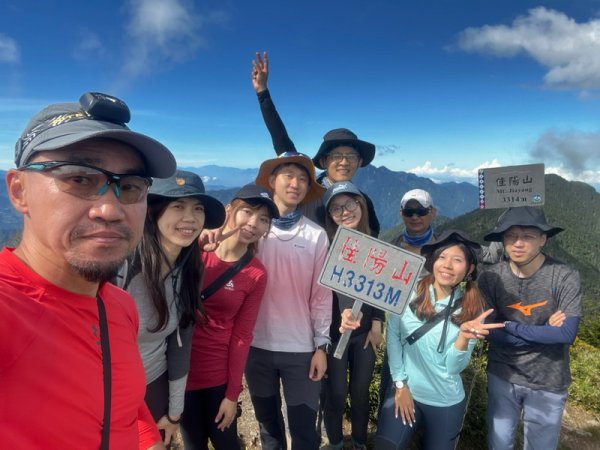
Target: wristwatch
{"type": "Point", "coordinates": [325, 347]}
{"type": "Point", "coordinates": [400, 384]}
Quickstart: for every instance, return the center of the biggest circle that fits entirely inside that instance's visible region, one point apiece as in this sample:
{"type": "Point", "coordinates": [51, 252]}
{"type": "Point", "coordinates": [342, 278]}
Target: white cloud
{"type": "Point", "coordinates": [591, 177]}
{"type": "Point", "coordinates": [161, 32]}
{"type": "Point", "coordinates": [9, 50]}
{"type": "Point", "coordinates": [568, 49]}
{"type": "Point", "coordinates": [89, 47]}
{"type": "Point", "coordinates": [450, 172]}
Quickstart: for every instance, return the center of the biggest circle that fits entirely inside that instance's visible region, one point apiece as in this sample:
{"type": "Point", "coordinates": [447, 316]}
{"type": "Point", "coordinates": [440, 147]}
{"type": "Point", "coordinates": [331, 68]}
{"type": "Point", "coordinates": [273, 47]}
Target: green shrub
{"type": "Point", "coordinates": [589, 331]}
{"type": "Point", "coordinates": [585, 369]}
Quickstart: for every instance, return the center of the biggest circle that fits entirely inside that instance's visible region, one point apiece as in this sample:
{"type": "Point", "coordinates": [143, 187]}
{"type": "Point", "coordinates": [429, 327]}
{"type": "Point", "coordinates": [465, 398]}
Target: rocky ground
{"type": "Point", "coordinates": [580, 429]}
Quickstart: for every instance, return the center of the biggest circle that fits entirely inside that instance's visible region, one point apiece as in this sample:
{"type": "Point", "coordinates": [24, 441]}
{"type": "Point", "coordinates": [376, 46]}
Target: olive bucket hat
{"type": "Point", "coordinates": [268, 167]}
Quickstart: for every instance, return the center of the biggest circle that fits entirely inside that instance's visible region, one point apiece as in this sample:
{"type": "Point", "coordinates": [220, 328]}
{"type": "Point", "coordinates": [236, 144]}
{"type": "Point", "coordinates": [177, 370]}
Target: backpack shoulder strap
{"type": "Point", "coordinates": [226, 276]}
{"type": "Point", "coordinates": [419, 332]}
{"type": "Point", "coordinates": [130, 268]}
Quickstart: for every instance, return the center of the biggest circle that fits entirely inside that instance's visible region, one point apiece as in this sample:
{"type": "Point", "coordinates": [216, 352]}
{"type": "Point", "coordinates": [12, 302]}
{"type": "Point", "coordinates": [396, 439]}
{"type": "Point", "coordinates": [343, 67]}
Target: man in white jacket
{"type": "Point", "coordinates": [291, 336]}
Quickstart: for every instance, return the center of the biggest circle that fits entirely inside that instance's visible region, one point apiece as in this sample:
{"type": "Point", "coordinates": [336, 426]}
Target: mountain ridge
{"type": "Point", "coordinates": [384, 186]}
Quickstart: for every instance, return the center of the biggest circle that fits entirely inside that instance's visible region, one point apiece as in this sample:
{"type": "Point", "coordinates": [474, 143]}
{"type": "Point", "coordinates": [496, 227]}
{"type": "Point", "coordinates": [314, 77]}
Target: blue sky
{"type": "Point", "coordinates": [441, 87]}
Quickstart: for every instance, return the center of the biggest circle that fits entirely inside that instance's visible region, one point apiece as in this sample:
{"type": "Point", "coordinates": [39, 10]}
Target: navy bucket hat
{"type": "Point", "coordinates": [187, 184]}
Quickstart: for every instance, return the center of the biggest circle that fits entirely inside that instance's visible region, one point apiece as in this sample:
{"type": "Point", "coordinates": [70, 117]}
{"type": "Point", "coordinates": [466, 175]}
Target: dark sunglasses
{"type": "Point", "coordinates": [409, 212]}
{"type": "Point", "coordinates": [90, 182]}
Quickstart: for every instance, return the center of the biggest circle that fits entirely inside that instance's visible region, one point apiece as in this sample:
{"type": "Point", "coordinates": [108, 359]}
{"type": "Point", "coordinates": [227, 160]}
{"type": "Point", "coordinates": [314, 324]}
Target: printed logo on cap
{"type": "Point", "coordinates": [339, 187]}
{"type": "Point", "coordinates": [180, 181]}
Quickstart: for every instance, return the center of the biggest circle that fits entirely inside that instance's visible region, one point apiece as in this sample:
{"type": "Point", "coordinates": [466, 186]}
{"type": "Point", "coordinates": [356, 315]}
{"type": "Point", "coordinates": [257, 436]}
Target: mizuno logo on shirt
{"type": "Point", "coordinates": [526, 310]}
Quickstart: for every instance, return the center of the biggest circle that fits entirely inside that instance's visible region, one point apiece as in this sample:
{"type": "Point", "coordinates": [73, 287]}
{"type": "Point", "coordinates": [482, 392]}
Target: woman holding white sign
{"type": "Point", "coordinates": [429, 345]}
{"type": "Point", "coordinates": [346, 206]}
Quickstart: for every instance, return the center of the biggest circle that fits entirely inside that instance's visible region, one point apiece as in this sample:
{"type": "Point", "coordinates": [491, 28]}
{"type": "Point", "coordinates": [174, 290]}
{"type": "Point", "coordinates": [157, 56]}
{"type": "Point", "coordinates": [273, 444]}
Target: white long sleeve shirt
{"type": "Point", "coordinates": [295, 313]}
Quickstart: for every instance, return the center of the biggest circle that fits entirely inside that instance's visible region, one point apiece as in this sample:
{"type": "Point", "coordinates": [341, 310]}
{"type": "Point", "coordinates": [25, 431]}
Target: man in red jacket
{"type": "Point", "coordinates": [71, 372]}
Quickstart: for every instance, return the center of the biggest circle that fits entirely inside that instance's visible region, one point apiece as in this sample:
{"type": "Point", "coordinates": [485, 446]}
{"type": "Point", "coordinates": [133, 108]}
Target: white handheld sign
{"type": "Point", "coordinates": [370, 271]}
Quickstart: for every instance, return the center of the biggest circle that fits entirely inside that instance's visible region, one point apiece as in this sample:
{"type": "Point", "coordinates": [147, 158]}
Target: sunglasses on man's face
{"type": "Point", "coordinates": [409, 212]}
{"type": "Point", "coordinates": [90, 182]}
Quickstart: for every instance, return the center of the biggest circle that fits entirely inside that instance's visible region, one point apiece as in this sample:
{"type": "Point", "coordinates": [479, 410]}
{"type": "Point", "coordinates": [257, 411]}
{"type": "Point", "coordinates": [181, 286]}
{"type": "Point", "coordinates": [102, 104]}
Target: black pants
{"type": "Point", "coordinates": [157, 397]}
{"type": "Point", "coordinates": [352, 373]}
{"type": "Point", "coordinates": [266, 373]}
{"type": "Point", "coordinates": [198, 422]}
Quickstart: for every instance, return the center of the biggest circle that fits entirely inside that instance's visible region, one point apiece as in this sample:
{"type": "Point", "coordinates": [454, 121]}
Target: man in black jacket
{"type": "Point", "coordinates": [340, 155]}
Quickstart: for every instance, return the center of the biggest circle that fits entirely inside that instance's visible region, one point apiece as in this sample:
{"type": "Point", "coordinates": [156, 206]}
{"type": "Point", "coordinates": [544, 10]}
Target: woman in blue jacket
{"type": "Point", "coordinates": [430, 344]}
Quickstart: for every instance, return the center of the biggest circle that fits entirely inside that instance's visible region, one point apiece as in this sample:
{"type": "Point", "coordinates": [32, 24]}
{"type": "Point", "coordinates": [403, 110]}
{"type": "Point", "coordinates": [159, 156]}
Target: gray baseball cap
{"type": "Point", "coordinates": [95, 116]}
{"type": "Point", "coordinates": [341, 187]}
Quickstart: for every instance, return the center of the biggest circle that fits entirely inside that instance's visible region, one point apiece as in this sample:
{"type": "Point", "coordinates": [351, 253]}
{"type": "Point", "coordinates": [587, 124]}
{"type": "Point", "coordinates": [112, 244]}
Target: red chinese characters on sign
{"type": "Point", "coordinates": [401, 276]}
{"type": "Point", "coordinates": [350, 250]}
{"type": "Point", "coordinates": [375, 260]}
{"type": "Point", "coordinates": [370, 271]}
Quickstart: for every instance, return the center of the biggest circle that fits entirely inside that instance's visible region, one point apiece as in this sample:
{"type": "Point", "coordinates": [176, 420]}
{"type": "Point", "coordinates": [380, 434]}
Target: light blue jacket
{"type": "Point", "coordinates": [433, 378]}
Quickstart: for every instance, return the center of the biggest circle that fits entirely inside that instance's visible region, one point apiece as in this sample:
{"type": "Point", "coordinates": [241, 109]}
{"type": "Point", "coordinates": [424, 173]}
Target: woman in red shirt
{"type": "Point", "coordinates": [220, 345]}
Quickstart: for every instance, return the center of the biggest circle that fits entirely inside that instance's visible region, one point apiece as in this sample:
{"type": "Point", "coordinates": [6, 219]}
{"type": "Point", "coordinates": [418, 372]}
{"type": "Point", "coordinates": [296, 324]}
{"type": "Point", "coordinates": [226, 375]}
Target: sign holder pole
{"type": "Point", "coordinates": [343, 343]}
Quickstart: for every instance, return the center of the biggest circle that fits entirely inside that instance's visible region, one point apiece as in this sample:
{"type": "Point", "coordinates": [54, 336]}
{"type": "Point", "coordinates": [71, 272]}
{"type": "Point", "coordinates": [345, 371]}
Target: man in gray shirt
{"type": "Point", "coordinates": [539, 300]}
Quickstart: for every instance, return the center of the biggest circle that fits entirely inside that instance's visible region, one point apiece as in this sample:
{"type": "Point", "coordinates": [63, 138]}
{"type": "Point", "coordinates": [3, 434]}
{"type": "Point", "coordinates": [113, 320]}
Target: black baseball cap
{"type": "Point", "coordinates": [255, 194]}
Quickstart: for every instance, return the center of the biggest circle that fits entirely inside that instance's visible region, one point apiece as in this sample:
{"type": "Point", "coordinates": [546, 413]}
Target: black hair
{"type": "Point", "coordinates": [278, 169]}
{"type": "Point", "coordinates": [363, 224]}
{"type": "Point", "coordinates": [472, 300]}
{"type": "Point", "coordinates": [188, 267]}
{"type": "Point", "coordinates": [252, 203]}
